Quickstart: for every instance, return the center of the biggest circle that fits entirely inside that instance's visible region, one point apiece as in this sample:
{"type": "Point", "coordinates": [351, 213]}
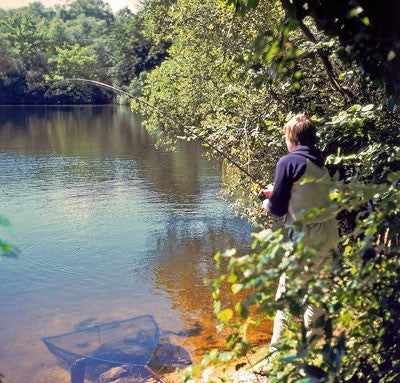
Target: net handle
{"type": "Point", "coordinates": [154, 374]}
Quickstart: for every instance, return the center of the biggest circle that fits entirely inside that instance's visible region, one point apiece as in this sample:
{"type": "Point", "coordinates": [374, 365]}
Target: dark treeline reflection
{"type": "Point", "coordinates": [97, 145]}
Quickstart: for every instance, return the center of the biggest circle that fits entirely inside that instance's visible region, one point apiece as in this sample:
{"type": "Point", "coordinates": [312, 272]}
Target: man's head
{"type": "Point", "coordinates": [299, 130]}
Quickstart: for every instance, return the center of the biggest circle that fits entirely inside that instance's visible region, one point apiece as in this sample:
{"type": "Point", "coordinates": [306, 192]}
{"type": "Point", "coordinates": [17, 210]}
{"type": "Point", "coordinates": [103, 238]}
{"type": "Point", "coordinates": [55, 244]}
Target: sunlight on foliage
{"type": "Point", "coordinates": [233, 75]}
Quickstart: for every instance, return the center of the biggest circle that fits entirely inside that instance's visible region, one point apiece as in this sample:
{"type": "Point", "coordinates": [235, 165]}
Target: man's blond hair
{"type": "Point", "coordinates": [300, 130]}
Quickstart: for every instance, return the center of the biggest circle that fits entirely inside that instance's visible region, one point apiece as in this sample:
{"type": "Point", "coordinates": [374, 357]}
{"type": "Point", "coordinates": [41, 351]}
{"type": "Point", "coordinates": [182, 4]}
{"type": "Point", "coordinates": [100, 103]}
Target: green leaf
{"type": "Point", "coordinates": [217, 307]}
{"type": "Point", "coordinates": [225, 315]}
{"type": "Point", "coordinates": [365, 21]}
{"type": "Point", "coordinates": [391, 55]}
{"type": "Point", "coordinates": [236, 287]}
{"type": "Point", "coordinates": [272, 52]}
{"type": "Point", "coordinates": [367, 108]}
{"type": "Point", "coordinates": [242, 310]}
{"type": "Point", "coordinates": [296, 85]}
{"type": "Point", "coordinates": [4, 222]}
{"type": "Point", "coordinates": [297, 74]}
{"type": "Point", "coordinates": [290, 358]}
{"type": "Point", "coordinates": [232, 278]}
{"type": "Point", "coordinates": [355, 11]}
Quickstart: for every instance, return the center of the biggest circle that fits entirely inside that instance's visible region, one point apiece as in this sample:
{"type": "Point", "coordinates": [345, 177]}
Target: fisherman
{"type": "Point", "coordinates": [302, 183]}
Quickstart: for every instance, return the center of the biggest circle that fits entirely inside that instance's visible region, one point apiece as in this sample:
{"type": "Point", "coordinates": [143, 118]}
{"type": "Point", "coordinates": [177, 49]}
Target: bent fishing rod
{"type": "Point", "coordinates": [202, 139]}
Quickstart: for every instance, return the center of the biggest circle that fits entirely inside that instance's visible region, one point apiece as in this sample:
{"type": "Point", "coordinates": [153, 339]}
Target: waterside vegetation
{"type": "Point", "coordinates": [40, 47]}
{"type": "Point", "coordinates": [232, 72]}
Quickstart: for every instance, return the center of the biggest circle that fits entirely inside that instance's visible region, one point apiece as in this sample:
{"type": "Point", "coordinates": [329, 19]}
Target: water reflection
{"type": "Point", "coordinates": [100, 144]}
{"type": "Point", "coordinates": [180, 271]}
{"type": "Point", "coordinates": [109, 228]}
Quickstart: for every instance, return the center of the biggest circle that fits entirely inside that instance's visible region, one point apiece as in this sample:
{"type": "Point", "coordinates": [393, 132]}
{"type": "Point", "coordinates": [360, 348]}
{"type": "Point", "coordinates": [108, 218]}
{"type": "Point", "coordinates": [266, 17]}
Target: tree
{"type": "Point", "coordinates": [37, 38]}
{"type": "Point", "coordinates": [27, 41]}
{"type": "Point", "coordinates": [230, 81]}
{"type": "Point", "coordinates": [73, 61]}
{"type": "Point", "coordinates": [368, 33]}
{"type": "Point", "coordinates": [97, 9]}
{"type": "Point", "coordinates": [21, 31]}
{"type": "Point", "coordinates": [59, 33]}
{"type": "Point", "coordinates": [132, 51]}
{"type": "Point", "coordinates": [12, 84]}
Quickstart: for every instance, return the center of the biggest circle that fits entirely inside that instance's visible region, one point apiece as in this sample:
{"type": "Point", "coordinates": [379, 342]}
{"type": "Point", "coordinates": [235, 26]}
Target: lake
{"type": "Point", "coordinates": [108, 227]}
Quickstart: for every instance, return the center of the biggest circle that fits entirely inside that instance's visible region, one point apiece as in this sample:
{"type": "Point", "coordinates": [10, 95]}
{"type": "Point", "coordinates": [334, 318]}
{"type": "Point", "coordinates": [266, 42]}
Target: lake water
{"type": "Point", "coordinates": [108, 228]}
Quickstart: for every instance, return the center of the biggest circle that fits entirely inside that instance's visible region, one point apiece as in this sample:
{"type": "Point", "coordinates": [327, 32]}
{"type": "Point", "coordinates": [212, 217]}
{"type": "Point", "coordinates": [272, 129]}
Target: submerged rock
{"type": "Point", "coordinates": [113, 374]}
{"type": "Point", "coordinates": [123, 374]}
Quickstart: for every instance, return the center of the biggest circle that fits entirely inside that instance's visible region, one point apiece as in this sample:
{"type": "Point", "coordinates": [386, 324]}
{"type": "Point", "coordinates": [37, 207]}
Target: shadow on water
{"type": "Point", "coordinates": [169, 356]}
{"type": "Point", "coordinates": [85, 323]}
{"type": "Point", "coordinates": [194, 331]}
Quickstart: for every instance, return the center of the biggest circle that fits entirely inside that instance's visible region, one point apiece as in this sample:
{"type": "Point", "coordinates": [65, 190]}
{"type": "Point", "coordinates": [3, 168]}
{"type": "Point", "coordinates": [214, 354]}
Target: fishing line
{"type": "Point", "coordinates": [202, 139]}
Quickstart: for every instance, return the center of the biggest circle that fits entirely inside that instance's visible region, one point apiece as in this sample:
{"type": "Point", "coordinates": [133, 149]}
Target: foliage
{"type": "Point", "coordinates": [368, 32]}
{"type": "Point", "coordinates": [10, 74]}
{"type": "Point", "coordinates": [133, 52]}
{"type": "Point", "coordinates": [230, 73]}
{"type": "Point", "coordinates": [203, 85]}
{"type": "Point", "coordinates": [48, 44]}
{"type": "Point", "coordinates": [6, 248]}
{"type": "Point", "coordinates": [23, 35]}
{"type": "Point", "coordinates": [72, 60]}
{"type": "Point", "coordinates": [359, 292]}
{"type": "Point", "coordinates": [235, 72]}
{"type": "Point", "coordinates": [98, 9]}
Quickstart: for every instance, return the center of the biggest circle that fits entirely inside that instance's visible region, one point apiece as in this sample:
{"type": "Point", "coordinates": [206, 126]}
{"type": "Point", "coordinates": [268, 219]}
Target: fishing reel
{"type": "Point", "coordinates": [265, 192]}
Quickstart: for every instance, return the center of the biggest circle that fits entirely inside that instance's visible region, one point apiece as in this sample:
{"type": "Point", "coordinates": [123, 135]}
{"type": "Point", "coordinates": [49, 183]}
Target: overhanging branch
{"type": "Point", "coordinates": [327, 64]}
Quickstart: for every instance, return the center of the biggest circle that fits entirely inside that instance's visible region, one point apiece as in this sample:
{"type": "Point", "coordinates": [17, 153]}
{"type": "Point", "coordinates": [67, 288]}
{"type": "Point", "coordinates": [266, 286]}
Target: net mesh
{"type": "Point", "coordinates": [130, 343]}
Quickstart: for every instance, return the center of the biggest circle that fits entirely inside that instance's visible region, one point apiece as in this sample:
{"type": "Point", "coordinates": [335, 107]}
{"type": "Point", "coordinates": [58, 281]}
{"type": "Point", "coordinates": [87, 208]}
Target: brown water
{"type": "Point", "coordinates": [109, 227]}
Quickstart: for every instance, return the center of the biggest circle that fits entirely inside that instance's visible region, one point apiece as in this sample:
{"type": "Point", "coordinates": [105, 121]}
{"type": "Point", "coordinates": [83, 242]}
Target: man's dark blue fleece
{"type": "Point", "coordinates": [290, 168]}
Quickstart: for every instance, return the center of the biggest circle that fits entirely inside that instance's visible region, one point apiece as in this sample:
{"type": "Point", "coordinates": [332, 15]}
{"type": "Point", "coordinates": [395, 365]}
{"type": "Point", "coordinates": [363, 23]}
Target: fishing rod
{"type": "Point", "coordinates": [202, 139]}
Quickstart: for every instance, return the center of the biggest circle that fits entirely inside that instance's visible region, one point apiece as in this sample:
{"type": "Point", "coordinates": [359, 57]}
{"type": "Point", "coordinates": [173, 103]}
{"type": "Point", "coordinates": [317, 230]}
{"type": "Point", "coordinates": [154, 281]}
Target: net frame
{"type": "Point", "coordinates": [56, 350]}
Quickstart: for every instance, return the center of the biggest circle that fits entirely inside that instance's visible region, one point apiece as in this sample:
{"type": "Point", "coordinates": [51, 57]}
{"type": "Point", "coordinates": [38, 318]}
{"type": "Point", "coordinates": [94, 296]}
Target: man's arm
{"type": "Point", "coordinates": [290, 168]}
{"type": "Point", "coordinates": [279, 199]}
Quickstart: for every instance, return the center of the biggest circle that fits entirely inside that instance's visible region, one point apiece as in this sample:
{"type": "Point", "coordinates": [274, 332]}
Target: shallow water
{"type": "Point", "coordinates": [108, 227]}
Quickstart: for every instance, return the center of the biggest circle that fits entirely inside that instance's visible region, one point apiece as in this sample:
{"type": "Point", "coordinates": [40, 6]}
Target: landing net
{"type": "Point", "coordinates": [130, 343]}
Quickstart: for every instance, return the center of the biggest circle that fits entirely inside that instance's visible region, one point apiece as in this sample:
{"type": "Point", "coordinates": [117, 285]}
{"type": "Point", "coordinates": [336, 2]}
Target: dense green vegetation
{"type": "Point", "coordinates": [41, 46]}
{"type": "Point", "coordinates": [235, 72]}
{"type": "Point", "coordinates": [231, 73]}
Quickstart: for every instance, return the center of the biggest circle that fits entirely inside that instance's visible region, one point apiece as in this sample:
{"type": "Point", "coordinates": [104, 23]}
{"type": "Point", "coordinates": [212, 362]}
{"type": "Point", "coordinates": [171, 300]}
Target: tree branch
{"type": "Point", "coordinates": [326, 62]}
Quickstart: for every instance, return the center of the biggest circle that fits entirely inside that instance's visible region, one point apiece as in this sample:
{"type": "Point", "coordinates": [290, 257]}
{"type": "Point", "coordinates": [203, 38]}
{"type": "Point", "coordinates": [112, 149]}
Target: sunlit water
{"type": "Point", "coordinates": [108, 227]}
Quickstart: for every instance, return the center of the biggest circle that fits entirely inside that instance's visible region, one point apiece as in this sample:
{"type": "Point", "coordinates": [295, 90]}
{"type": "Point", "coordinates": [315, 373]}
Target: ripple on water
{"type": "Point", "coordinates": [109, 227]}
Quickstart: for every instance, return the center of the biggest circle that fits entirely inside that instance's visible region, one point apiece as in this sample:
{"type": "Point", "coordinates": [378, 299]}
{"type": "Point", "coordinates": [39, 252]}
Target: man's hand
{"type": "Point", "coordinates": [268, 189]}
{"type": "Point", "coordinates": [265, 205]}
{"type": "Point", "coordinates": [265, 192]}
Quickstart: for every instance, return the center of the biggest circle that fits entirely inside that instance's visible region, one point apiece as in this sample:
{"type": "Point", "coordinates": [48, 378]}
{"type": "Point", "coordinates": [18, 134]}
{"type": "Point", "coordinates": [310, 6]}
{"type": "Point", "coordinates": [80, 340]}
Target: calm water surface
{"type": "Point", "coordinates": [109, 227]}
